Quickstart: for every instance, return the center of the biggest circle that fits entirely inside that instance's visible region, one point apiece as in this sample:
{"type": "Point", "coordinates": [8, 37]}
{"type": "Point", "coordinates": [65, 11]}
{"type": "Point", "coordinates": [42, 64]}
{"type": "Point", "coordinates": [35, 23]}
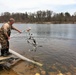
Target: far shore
{"type": "Point", "coordinates": [48, 22]}
{"type": "Point", "coordinates": [56, 22]}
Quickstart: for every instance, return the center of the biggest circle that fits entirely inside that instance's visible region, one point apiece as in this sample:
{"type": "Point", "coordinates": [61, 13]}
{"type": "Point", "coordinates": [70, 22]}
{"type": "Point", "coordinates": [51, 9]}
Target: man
{"type": "Point", "coordinates": [5, 32]}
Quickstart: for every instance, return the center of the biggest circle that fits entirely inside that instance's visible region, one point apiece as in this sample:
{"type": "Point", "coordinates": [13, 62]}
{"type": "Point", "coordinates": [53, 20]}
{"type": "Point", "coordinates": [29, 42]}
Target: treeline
{"type": "Point", "coordinates": [39, 17]}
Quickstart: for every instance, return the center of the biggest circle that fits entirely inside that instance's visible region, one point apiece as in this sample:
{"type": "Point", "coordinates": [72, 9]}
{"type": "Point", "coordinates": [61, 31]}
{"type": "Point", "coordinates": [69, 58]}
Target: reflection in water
{"type": "Point", "coordinates": [59, 31]}
{"type": "Point", "coordinates": [56, 31]}
{"type": "Point", "coordinates": [43, 31]}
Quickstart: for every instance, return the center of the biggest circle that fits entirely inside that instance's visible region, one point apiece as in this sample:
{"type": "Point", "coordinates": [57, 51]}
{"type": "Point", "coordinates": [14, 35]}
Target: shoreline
{"type": "Point", "coordinates": [44, 22]}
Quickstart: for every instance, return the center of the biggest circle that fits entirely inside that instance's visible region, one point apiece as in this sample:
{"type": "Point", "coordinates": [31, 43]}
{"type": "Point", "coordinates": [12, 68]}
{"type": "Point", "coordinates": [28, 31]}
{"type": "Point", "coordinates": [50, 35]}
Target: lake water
{"type": "Point", "coordinates": [58, 45]}
{"type": "Point", "coordinates": [50, 30]}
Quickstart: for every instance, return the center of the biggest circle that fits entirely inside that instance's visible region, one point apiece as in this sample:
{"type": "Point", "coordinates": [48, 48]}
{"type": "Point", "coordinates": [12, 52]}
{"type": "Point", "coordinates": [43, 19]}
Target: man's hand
{"type": "Point", "coordinates": [8, 38]}
{"type": "Point", "coordinates": [19, 31]}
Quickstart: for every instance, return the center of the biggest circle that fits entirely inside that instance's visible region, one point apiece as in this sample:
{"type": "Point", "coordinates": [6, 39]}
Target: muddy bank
{"type": "Point", "coordinates": [9, 72]}
{"type": "Point", "coordinates": [24, 68]}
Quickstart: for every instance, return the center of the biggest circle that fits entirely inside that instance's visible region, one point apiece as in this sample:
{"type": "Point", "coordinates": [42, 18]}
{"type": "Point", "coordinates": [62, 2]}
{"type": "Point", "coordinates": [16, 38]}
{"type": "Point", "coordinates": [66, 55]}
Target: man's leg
{"type": "Point", "coordinates": [4, 47]}
{"type": "Point", "coordinates": [7, 49]}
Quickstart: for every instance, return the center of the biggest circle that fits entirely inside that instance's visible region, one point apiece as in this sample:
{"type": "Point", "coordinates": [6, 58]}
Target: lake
{"type": "Point", "coordinates": [56, 46]}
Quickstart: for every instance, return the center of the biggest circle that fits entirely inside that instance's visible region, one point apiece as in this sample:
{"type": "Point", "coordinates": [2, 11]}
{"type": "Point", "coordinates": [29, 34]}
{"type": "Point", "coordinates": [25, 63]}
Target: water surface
{"type": "Point", "coordinates": [58, 45]}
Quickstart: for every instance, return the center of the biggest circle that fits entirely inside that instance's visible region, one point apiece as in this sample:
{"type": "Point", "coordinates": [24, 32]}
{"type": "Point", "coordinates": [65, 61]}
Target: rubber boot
{"type": "Point", "coordinates": [2, 52]}
{"type": "Point", "coordinates": [7, 51]}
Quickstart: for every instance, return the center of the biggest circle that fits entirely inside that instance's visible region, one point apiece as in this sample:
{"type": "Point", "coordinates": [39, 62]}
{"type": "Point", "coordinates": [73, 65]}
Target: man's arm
{"type": "Point", "coordinates": [16, 29]}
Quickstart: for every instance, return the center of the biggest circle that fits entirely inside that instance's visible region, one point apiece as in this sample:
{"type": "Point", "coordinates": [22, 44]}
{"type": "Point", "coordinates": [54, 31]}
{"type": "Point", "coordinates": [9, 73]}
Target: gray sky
{"type": "Point", "coordinates": [35, 5]}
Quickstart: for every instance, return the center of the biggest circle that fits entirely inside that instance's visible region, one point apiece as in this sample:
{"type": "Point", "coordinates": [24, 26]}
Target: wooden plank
{"type": "Point", "coordinates": [14, 54]}
{"type": "Point", "coordinates": [24, 58]}
{"type": "Point", "coordinates": [4, 58]}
